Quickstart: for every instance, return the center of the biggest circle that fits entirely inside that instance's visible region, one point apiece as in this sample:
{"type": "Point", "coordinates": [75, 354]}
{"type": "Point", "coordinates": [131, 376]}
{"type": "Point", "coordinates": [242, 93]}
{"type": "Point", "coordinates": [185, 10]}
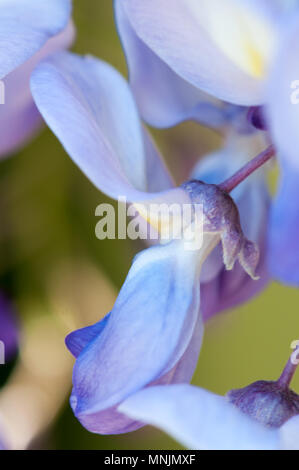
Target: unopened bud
{"type": "Point", "coordinates": [266, 402]}
{"type": "Point", "coordinates": [221, 216]}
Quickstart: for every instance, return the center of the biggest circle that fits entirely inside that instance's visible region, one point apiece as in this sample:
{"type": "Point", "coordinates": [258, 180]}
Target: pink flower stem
{"type": "Point", "coordinates": [229, 184]}
{"type": "Point", "coordinates": [288, 373]}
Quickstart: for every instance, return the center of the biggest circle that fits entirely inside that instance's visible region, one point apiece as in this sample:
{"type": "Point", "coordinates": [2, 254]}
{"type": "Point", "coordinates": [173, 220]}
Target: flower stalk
{"type": "Point", "coordinates": [232, 182]}
{"type": "Point", "coordinates": [289, 371]}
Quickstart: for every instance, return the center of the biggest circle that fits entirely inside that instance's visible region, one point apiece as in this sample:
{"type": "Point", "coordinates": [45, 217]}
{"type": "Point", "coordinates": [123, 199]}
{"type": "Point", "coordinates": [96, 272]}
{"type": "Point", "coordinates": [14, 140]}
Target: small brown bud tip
{"type": "Point", "coordinates": [267, 402]}
{"type": "Point", "coordinates": [221, 216]}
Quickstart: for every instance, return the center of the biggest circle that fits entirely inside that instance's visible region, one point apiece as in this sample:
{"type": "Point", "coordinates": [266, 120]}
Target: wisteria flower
{"type": "Point", "coordinates": [262, 416]}
{"type": "Point", "coordinates": [154, 331]}
{"type": "Point", "coordinates": [241, 59]}
{"type": "Point", "coordinates": [30, 31]}
{"type": "Point", "coordinates": [241, 52]}
{"type": "Point", "coordinates": [98, 84]}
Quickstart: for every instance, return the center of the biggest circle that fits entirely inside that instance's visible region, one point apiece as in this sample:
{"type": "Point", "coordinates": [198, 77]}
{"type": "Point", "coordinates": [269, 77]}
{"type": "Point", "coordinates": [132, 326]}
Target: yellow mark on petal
{"type": "Point", "coordinates": [162, 217]}
{"type": "Point", "coordinates": [151, 218]}
{"type": "Point", "coordinates": [244, 35]}
{"type": "Point", "coordinates": [170, 220]}
{"type": "Point", "coordinates": [256, 63]}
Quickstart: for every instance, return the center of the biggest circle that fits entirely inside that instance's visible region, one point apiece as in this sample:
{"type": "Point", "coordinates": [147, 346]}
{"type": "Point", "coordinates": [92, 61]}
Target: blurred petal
{"type": "Point", "coordinates": [154, 318]}
{"type": "Point", "coordinates": [3, 445]}
{"type": "Point", "coordinates": [163, 97]}
{"type": "Point", "coordinates": [193, 40]}
{"type": "Point", "coordinates": [19, 117]}
{"type": "Point", "coordinates": [26, 26]}
{"type": "Point", "coordinates": [99, 125]}
{"type": "Point", "coordinates": [283, 97]}
{"type": "Point", "coordinates": [289, 434]}
{"type": "Point", "coordinates": [198, 419]}
{"type": "Point", "coordinates": [8, 328]}
{"type": "Point", "coordinates": [286, 6]}
{"type": "Point", "coordinates": [283, 250]}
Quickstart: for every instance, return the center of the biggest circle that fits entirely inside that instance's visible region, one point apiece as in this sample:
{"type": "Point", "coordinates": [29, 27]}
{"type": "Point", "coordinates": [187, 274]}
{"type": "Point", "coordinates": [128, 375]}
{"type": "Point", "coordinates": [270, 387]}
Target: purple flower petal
{"type": "Point", "coordinates": [19, 117]}
{"type": "Point", "coordinates": [26, 26]}
{"type": "Point", "coordinates": [78, 340]}
{"type": "Point", "coordinates": [8, 328]}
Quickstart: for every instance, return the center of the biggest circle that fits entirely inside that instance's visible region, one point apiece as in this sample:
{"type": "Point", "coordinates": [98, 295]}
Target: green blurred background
{"type": "Point", "coordinates": [50, 259]}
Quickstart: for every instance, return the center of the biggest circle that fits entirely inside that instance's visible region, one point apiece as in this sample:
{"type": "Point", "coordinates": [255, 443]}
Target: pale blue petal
{"type": "Point", "coordinates": [26, 25]}
{"type": "Point", "coordinates": [283, 96]}
{"type": "Point", "coordinates": [177, 36]}
{"type": "Point", "coordinates": [99, 125]}
{"type": "Point", "coordinates": [148, 332]}
{"type": "Point", "coordinates": [163, 97]}
{"type": "Point", "coordinates": [198, 419]}
{"type": "Point", "coordinates": [110, 421]}
{"type": "Point", "coordinates": [289, 434]}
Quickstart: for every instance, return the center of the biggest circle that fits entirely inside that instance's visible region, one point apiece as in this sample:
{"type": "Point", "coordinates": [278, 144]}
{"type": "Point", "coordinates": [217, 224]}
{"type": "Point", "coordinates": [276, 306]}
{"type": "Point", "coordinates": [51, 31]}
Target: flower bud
{"type": "Point", "coordinates": [270, 403]}
{"type": "Point", "coordinates": [221, 216]}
